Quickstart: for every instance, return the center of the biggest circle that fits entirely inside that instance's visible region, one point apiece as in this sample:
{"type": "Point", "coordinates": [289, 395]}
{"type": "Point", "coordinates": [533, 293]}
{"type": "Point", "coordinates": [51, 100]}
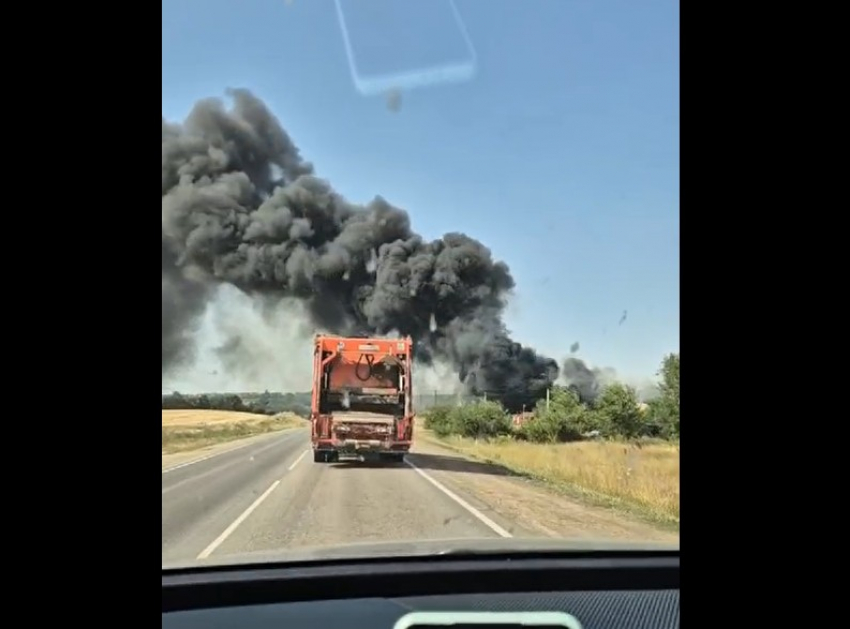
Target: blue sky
{"type": "Point", "coordinates": [560, 153]}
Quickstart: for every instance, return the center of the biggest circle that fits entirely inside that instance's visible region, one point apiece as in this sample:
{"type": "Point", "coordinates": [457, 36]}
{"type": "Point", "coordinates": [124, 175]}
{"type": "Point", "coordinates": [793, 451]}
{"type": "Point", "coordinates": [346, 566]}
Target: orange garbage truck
{"type": "Point", "coordinates": [362, 398]}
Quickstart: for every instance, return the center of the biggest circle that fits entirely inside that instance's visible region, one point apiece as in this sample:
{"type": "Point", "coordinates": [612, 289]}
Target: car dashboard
{"type": "Point", "coordinates": [601, 590]}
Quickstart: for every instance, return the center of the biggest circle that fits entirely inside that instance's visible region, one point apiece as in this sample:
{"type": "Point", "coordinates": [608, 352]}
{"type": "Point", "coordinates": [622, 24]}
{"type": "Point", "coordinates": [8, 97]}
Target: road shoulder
{"type": "Point", "coordinates": [530, 504]}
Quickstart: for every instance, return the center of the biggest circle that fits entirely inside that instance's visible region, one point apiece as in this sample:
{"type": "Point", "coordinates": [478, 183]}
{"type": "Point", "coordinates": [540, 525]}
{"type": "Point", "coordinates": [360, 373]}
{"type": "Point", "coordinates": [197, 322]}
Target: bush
{"type": "Point", "coordinates": [565, 419]}
{"type": "Point", "coordinates": [616, 413]}
{"type": "Point", "coordinates": [438, 419]}
{"type": "Point", "coordinates": [482, 419]}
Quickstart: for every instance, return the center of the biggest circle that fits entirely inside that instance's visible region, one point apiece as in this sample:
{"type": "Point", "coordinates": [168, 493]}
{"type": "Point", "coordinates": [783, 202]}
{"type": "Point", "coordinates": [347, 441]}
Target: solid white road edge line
{"type": "Point", "coordinates": [206, 552]}
{"type": "Point", "coordinates": [253, 441]}
{"type": "Point", "coordinates": [298, 460]}
{"type": "Point", "coordinates": [463, 503]}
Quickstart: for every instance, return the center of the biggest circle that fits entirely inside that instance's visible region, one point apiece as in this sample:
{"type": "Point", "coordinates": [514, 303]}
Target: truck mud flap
{"type": "Point", "coordinates": [325, 456]}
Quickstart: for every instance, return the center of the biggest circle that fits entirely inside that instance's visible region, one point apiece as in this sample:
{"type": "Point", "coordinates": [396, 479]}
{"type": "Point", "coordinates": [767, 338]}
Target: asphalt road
{"type": "Point", "coordinates": [269, 495]}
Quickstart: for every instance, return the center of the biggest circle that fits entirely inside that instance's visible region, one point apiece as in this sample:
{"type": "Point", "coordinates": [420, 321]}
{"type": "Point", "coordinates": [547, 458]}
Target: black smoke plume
{"type": "Point", "coordinates": [585, 381]}
{"type": "Point", "coordinates": [241, 206]}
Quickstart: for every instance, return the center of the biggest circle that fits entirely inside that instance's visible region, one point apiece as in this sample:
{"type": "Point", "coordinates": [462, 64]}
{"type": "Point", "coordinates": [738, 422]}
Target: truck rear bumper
{"type": "Point", "coordinates": [361, 446]}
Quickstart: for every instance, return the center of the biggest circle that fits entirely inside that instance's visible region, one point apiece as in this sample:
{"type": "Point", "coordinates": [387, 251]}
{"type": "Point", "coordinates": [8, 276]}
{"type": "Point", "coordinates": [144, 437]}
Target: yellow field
{"type": "Point", "coordinates": [184, 430]}
{"type": "Point", "coordinates": [642, 476]}
{"type": "Point", "coordinates": [195, 417]}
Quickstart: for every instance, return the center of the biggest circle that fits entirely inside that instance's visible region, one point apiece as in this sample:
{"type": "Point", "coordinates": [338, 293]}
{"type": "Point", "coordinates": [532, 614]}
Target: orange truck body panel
{"type": "Point", "coordinates": [362, 397]}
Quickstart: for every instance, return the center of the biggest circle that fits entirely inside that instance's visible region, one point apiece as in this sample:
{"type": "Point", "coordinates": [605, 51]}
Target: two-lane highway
{"type": "Point", "coordinates": [270, 495]}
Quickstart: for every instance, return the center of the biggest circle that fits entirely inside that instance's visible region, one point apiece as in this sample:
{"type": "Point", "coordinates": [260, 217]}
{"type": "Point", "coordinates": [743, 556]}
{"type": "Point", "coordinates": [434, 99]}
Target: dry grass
{"type": "Point", "coordinates": [191, 417]}
{"type": "Point", "coordinates": [184, 430]}
{"type": "Point", "coordinates": [642, 477]}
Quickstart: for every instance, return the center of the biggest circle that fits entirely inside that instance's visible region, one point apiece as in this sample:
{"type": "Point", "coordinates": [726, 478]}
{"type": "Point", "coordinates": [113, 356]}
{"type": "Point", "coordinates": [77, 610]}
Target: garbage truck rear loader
{"type": "Point", "coordinates": [362, 403]}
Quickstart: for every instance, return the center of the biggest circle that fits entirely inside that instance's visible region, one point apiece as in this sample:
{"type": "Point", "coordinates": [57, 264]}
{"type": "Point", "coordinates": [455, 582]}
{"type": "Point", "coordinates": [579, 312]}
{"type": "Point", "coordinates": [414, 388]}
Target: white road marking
{"type": "Point", "coordinates": [298, 460]}
{"type": "Point", "coordinates": [463, 503]}
{"type": "Point", "coordinates": [213, 455]}
{"type": "Point", "coordinates": [206, 552]}
{"type": "Point", "coordinates": [203, 458]}
{"type": "Point", "coordinates": [237, 461]}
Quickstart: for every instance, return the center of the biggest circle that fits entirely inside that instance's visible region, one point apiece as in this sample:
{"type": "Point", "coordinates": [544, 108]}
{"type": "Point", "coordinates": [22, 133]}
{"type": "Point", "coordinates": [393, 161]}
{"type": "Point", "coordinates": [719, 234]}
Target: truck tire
{"type": "Point", "coordinates": [319, 456]}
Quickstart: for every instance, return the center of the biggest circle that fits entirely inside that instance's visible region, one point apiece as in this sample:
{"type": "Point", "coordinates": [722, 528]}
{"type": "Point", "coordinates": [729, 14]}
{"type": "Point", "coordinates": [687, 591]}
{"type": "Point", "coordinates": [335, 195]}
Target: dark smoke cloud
{"type": "Point", "coordinates": [587, 382]}
{"type": "Point", "coordinates": [183, 300]}
{"type": "Point", "coordinates": [240, 206]}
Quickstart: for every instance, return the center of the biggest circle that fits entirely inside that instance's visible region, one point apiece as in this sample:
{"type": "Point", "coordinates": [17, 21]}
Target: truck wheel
{"type": "Point", "coordinates": [318, 456]}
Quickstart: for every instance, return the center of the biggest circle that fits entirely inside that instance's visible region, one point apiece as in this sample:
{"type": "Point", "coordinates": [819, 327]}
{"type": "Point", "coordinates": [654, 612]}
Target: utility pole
{"type": "Point", "coordinates": [547, 398]}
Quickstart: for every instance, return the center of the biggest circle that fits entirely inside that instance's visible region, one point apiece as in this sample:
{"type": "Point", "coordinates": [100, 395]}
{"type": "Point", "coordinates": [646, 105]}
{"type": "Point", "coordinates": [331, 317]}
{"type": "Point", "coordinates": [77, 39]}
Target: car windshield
{"type": "Point", "coordinates": [420, 276]}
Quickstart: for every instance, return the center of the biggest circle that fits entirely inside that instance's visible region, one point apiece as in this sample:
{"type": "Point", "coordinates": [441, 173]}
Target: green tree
{"type": "Point", "coordinates": [619, 411]}
{"type": "Point", "coordinates": [669, 373]}
{"type": "Point", "coordinates": [564, 419]}
{"type": "Point", "coordinates": [664, 410]}
{"type": "Point", "coordinates": [480, 420]}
